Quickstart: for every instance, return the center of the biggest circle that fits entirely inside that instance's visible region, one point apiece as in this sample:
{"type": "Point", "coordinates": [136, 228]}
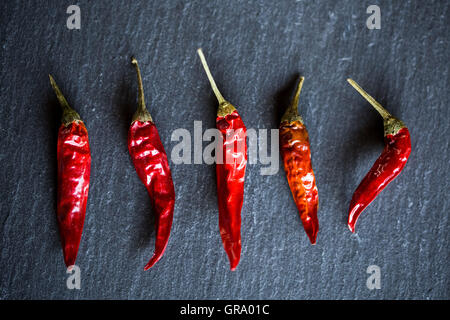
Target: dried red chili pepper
{"type": "Point", "coordinates": [230, 173]}
{"type": "Point", "coordinates": [296, 154]}
{"type": "Point", "coordinates": [389, 164]}
{"type": "Point", "coordinates": [74, 170]}
{"type": "Point", "coordinates": [150, 160]}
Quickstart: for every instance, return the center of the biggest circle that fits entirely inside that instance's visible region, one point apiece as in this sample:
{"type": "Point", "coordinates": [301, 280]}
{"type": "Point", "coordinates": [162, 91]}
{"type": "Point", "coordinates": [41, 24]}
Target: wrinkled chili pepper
{"type": "Point", "coordinates": [388, 165]}
{"type": "Point", "coordinates": [150, 160]}
{"type": "Point", "coordinates": [230, 172]}
{"type": "Point", "coordinates": [296, 154]}
{"type": "Point", "coordinates": [74, 170]}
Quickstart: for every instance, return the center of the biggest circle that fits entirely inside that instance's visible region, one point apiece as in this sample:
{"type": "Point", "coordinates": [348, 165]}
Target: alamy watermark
{"type": "Point", "coordinates": [190, 149]}
{"type": "Point", "coordinates": [74, 280]}
{"type": "Point", "coordinates": [374, 280]}
{"type": "Point", "coordinates": [74, 20]}
{"type": "Point", "coordinates": [374, 20]}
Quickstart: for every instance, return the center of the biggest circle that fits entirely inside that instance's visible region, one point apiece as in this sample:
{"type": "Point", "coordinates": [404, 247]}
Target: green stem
{"type": "Point", "coordinates": [219, 96]}
{"type": "Point", "coordinates": [382, 111]}
{"type": "Point", "coordinates": [392, 125]}
{"type": "Point", "coordinates": [69, 115]}
{"type": "Point", "coordinates": [141, 113]}
{"type": "Point", "coordinates": [291, 113]}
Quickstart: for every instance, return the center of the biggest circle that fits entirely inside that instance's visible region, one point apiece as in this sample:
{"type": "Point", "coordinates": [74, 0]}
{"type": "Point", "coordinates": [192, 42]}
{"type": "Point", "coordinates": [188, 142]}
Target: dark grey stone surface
{"type": "Point", "coordinates": [256, 50]}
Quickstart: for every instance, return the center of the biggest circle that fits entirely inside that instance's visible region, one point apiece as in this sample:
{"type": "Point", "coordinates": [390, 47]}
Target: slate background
{"type": "Point", "coordinates": [256, 50]}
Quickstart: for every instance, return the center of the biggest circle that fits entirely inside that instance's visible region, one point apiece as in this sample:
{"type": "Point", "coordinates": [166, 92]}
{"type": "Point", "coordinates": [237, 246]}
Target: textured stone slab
{"type": "Point", "coordinates": [256, 50]}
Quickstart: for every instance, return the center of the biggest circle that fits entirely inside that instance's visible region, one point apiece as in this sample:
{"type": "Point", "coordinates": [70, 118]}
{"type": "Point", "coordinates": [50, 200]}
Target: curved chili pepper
{"type": "Point", "coordinates": [230, 173]}
{"type": "Point", "coordinates": [388, 165]}
{"type": "Point", "coordinates": [150, 160]}
{"type": "Point", "coordinates": [296, 154]}
{"type": "Point", "coordinates": [74, 170]}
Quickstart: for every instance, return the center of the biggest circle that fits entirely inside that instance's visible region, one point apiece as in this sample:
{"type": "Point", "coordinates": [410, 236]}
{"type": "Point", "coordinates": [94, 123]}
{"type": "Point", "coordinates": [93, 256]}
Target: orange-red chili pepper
{"type": "Point", "coordinates": [74, 170]}
{"type": "Point", "coordinates": [388, 165]}
{"type": "Point", "coordinates": [296, 154]}
{"type": "Point", "coordinates": [230, 172]}
{"type": "Point", "coordinates": [150, 160]}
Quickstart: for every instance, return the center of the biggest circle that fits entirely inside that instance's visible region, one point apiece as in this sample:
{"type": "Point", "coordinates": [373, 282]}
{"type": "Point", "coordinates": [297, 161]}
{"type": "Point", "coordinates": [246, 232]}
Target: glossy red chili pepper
{"type": "Point", "coordinates": [230, 172]}
{"type": "Point", "coordinates": [74, 170]}
{"type": "Point", "coordinates": [387, 167]}
{"type": "Point", "coordinates": [296, 154]}
{"type": "Point", "coordinates": [150, 160]}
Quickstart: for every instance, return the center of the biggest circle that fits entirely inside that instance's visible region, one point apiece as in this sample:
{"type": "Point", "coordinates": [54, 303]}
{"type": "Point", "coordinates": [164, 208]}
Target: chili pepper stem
{"type": "Point", "coordinates": [392, 125]}
{"type": "Point", "coordinates": [225, 107]}
{"type": "Point", "coordinates": [297, 93]}
{"type": "Point", "coordinates": [69, 115]}
{"type": "Point", "coordinates": [291, 113]}
{"type": "Point", "coordinates": [141, 113]}
{"type": "Point", "coordinates": [382, 111]}
{"type": "Point", "coordinates": [219, 96]}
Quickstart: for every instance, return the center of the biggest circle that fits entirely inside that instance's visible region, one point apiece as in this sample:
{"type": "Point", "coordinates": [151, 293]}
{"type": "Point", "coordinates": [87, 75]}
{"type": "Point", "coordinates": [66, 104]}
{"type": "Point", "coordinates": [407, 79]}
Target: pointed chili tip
{"type": "Point", "coordinates": [312, 237]}
{"type": "Point", "coordinates": [150, 264]}
{"type": "Point", "coordinates": [234, 256]}
{"type": "Point", "coordinates": [152, 261]}
{"type": "Point", "coordinates": [353, 215]}
{"type": "Point", "coordinates": [311, 228]}
{"type": "Point", "coordinates": [351, 227]}
{"type": "Point", "coordinates": [233, 265]}
{"type": "Point", "coordinates": [147, 267]}
{"type": "Point", "coordinates": [69, 259]}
